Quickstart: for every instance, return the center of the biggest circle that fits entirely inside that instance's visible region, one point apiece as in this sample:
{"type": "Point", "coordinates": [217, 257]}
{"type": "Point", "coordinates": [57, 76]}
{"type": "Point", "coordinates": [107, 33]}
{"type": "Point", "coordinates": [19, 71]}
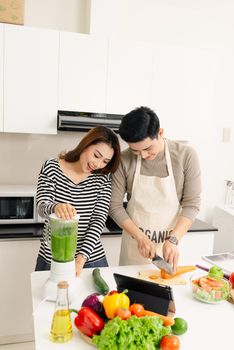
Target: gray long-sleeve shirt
{"type": "Point", "coordinates": [186, 171]}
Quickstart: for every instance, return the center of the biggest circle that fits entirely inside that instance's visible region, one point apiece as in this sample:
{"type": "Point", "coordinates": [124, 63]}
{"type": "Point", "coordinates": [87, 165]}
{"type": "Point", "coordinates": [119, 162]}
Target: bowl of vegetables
{"type": "Point", "coordinates": [210, 288]}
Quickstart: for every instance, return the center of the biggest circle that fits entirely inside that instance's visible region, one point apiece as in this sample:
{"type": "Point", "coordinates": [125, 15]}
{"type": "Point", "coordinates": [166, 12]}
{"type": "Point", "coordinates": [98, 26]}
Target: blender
{"type": "Point", "coordinates": [62, 241]}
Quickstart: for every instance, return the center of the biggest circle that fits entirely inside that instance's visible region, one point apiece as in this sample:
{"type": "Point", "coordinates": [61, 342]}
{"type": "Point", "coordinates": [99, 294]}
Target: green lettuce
{"type": "Point", "coordinates": [135, 333]}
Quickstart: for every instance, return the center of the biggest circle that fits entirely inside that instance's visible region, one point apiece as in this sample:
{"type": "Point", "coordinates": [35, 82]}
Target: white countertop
{"type": "Point", "coordinates": [209, 326]}
{"type": "Point", "coordinates": [227, 208]}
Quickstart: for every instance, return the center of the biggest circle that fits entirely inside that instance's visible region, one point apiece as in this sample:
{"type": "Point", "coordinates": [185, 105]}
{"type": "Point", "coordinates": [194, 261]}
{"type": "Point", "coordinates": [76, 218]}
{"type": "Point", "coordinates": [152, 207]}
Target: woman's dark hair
{"type": "Point", "coordinates": [139, 124]}
{"type": "Point", "coordinates": [94, 136]}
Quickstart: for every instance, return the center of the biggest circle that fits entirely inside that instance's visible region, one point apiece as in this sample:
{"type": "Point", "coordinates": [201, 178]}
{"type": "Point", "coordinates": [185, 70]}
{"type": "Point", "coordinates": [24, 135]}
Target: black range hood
{"type": "Point", "coordinates": [84, 121]}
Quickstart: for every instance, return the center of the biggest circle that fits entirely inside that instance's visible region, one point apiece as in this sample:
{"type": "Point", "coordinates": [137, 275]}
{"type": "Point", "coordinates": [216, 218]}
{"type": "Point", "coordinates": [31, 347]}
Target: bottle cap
{"type": "Point", "coordinates": [63, 284]}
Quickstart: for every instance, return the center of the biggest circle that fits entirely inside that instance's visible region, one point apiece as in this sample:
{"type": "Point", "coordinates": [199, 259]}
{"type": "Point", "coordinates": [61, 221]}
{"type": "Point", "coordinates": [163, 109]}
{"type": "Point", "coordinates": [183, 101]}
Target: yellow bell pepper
{"type": "Point", "coordinates": [112, 303]}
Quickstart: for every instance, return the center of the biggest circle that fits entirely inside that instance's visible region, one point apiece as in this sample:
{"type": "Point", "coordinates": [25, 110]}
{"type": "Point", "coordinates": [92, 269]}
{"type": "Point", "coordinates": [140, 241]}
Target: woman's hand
{"type": "Point", "coordinates": [171, 254]}
{"type": "Point", "coordinates": [64, 211]}
{"type": "Point", "coordinates": [80, 261]}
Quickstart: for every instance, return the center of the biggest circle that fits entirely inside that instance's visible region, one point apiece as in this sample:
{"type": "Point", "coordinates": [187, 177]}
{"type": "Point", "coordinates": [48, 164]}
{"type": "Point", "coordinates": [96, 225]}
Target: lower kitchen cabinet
{"type": "Point", "coordinates": [17, 261]}
{"type": "Point", "coordinates": [111, 245]}
{"type": "Point", "coordinates": [224, 221]}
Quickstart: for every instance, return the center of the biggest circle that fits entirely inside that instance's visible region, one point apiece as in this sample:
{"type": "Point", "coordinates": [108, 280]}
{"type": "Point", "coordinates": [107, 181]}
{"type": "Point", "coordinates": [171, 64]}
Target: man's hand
{"type": "Point", "coordinates": [171, 254]}
{"type": "Point", "coordinates": [80, 261]}
{"type": "Point", "coordinates": [64, 211]}
{"type": "Point", "coordinates": [146, 247]}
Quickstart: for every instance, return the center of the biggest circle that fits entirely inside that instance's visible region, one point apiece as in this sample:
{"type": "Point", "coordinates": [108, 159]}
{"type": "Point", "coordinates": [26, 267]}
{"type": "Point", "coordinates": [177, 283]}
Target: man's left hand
{"type": "Point", "coordinates": [171, 254]}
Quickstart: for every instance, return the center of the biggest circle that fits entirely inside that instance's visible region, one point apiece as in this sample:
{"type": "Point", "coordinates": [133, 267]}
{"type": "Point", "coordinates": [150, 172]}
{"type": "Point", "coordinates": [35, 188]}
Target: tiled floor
{"type": "Point", "coordinates": [18, 346]}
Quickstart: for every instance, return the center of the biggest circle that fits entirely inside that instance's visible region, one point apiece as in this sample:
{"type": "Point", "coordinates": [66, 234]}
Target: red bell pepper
{"type": "Point", "coordinates": [88, 321]}
{"type": "Point", "coordinates": [113, 292]}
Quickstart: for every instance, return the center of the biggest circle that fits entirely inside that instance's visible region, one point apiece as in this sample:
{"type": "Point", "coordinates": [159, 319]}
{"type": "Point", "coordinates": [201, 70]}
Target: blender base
{"type": "Point", "coordinates": [60, 272]}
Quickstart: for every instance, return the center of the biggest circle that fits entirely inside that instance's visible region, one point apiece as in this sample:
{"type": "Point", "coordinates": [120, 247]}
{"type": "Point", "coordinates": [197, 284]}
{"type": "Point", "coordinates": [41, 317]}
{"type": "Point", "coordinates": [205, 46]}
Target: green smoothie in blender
{"type": "Point", "coordinates": [63, 239]}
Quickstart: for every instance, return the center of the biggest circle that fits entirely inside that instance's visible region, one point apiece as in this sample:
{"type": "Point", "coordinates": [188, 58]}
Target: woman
{"type": "Point", "coordinates": [79, 182]}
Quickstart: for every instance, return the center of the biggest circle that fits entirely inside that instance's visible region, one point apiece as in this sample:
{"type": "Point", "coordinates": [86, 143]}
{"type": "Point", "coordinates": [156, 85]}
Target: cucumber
{"type": "Point", "coordinates": [100, 284]}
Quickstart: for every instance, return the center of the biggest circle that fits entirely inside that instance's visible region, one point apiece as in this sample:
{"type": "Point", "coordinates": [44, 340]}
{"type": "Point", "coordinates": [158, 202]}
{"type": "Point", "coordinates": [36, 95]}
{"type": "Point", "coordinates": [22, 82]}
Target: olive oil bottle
{"type": "Point", "coordinates": [61, 327]}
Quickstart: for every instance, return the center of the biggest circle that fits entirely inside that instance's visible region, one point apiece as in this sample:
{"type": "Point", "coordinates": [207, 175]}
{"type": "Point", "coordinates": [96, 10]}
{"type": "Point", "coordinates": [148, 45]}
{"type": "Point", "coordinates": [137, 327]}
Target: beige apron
{"type": "Point", "coordinates": [154, 208]}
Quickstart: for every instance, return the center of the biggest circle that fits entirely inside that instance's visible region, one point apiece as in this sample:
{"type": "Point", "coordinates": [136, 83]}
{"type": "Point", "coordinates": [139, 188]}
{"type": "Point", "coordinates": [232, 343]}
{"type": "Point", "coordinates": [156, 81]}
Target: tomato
{"type": "Point", "coordinates": [170, 342]}
{"type": "Point", "coordinates": [231, 279]}
{"type": "Point", "coordinates": [112, 292]}
{"type": "Point", "coordinates": [180, 326]}
{"type": "Point", "coordinates": [218, 295]}
{"type": "Point", "coordinates": [136, 309]}
{"type": "Point", "coordinates": [123, 313]}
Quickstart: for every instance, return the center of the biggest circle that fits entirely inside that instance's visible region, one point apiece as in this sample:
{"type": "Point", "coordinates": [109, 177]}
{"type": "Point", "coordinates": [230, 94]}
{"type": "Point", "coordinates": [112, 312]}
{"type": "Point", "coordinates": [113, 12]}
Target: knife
{"type": "Point", "coordinates": [162, 264]}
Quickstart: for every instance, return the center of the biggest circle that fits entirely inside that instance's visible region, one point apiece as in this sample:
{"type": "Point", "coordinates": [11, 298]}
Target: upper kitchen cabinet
{"type": "Point", "coordinates": [1, 77]}
{"type": "Point", "coordinates": [82, 72]}
{"type": "Point", "coordinates": [30, 80]}
{"type": "Point", "coordinates": [184, 81]}
{"type": "Point", "coordinates": [129, 76]}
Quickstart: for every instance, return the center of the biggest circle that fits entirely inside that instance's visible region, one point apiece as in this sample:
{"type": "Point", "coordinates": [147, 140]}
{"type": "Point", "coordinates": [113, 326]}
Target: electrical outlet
{"type": "Point", "coordinates": [226, 134]}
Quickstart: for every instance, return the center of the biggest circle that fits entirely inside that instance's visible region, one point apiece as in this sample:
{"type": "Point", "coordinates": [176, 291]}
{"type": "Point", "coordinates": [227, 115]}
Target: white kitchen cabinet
{"type": "Point", "coordinates": [1, 76]}
{"type": "Point", "coordinates": [82, 73]}
{"type": "Point", "coordinates": [111, 245]}
{"type": "Point", "coordinates": [129, 77]}
{"type": "Point", "coordinates": [17, 261]}
{"type": "Point", "coordinates": [30, 80]}
{"type": "Point", "coordinates": [223, 219]}
{"type": "Point", "coordinates": [184, 79]}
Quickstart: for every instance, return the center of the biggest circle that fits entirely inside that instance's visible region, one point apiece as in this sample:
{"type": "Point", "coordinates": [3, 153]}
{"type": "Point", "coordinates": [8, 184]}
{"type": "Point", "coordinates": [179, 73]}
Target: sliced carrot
{"type": "Point", "coordinates": [153, 277]}
{"type": "Point", "coordinates": [180, 270]}
{"type": "Point", "coordinates": [167, 321]}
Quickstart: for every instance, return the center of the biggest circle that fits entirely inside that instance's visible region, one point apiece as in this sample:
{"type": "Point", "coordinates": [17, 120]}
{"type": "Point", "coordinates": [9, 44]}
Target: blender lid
{"type": "Point", "coordinates": [54, 216]}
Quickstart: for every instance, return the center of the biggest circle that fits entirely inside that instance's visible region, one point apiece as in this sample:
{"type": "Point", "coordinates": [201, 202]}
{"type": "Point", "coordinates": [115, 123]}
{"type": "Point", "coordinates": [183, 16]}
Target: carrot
{"type": "Point", "coordinates": [139, 311]}
{"type": "Point", "coordinates": [180, 270]}
{"type": "Point", "coordinates": [153, 277]}
{"type": "Point", "coordinates": [167, 321]}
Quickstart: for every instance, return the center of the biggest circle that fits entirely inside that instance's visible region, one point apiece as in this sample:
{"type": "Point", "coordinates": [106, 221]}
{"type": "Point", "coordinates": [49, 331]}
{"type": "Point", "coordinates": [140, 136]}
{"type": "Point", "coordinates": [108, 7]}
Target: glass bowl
{"type": "Point", "coordinates": [210, 289]}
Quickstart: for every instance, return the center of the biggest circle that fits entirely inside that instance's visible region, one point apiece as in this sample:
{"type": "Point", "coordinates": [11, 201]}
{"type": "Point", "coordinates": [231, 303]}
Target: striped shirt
{"type": "Point", "coordinates": [91, 199]}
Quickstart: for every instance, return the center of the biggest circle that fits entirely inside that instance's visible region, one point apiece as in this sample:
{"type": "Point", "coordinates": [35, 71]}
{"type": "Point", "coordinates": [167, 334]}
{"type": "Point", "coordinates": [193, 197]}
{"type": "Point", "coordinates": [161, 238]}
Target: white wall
{"type": "Point", "coordinates": [22, 155]}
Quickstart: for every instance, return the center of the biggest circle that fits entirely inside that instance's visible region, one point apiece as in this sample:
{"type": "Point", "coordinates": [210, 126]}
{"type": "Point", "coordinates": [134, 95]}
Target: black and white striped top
{"type": "Point", "coordinates": [91, 198]}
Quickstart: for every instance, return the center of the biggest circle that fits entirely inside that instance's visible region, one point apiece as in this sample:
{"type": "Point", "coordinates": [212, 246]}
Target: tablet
{"type": "Point", "coordinates": [153, 296]}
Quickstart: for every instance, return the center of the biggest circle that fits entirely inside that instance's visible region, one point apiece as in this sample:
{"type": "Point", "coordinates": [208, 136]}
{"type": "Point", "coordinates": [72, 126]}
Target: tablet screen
{"type": "Point", "coordinates": [152, 296]}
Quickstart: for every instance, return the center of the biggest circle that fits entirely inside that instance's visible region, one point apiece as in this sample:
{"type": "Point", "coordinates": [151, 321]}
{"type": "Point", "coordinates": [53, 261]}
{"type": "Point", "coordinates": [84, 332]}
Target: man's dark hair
{"type": "Point", "coordinates": [139, 124]}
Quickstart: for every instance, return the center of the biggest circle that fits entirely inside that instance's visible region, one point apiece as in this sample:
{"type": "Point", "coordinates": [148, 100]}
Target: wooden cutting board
{"type": "Point", "coordinates": [177, 280]}
{"type": "Point", "coordinates": [86, 339]}
{"type": "Point", "coordinates": [231, 297]}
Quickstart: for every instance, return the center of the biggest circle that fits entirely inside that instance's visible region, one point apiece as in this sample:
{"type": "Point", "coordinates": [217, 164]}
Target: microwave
{"type": "Point", "coordinates": [18, 205]}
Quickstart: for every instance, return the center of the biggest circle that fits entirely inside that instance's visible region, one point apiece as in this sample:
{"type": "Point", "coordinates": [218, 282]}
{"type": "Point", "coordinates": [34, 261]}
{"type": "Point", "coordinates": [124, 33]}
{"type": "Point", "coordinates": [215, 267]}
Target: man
{"type": "Point", "coordinates": [162, 181]}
